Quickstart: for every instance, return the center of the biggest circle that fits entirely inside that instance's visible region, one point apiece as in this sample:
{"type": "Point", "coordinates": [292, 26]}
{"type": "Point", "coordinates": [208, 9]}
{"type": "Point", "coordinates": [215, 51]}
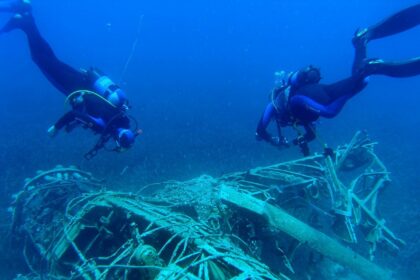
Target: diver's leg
{"type": "Point", "coordinates": [15, 6]}
{"type": "Point", "coordinates": [62, 76]}
{"type": "Point", "coordinates": [7, 6]}
{"type": "Point", "coordinates": [360, 54]}
{"type": "Point", "coordinates": [305, 108]}
{"type": "Point", "coordinates": [345, 88]}
{"type": "Point", "coordinates": [398, 69]}
{"type": "Point", "coordinates": [396, 23]}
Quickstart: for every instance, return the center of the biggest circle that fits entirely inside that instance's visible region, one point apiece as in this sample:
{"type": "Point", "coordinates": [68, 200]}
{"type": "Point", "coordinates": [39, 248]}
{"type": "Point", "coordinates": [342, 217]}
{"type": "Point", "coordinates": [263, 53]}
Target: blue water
{"type": "Point", "coordinates": [198, 82]}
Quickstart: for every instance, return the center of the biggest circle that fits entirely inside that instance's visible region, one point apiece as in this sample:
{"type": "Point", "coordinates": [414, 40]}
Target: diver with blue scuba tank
{"type": "Point", "coordinates": [301, 99]}
{"type": "Point", "coordinates": [97, 103]}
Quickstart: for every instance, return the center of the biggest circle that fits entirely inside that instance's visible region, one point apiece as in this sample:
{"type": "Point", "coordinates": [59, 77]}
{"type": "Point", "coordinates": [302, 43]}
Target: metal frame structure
{"type": "Point", "coordinates": [275, 222]}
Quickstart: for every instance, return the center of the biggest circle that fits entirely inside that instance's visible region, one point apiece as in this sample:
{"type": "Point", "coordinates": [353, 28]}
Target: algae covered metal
{"type": "Point", "coordinates": [293, 220]}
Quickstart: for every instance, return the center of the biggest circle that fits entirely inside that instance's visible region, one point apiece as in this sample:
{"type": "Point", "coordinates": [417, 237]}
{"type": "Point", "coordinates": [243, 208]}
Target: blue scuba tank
{"type": "Point", "coordinates": [105, 87]}
{"type": "Point", "coordinates": [103, 84]}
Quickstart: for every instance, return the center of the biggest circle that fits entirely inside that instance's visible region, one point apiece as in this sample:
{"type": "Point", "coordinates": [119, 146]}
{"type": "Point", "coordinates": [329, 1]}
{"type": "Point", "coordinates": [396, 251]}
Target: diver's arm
{"type": "Point", "coordinates": [309, 132]}
{"type": "Point", "coordinates": [65, 120]}
{"type": "Point", "coordinates": [302, 140]}
{"type": "Point", "coordinates": [261, 133]}
{"type": "Point", "coordinates": [281, 140]}
{"type": "Point", "coordinates": [279, 130]}
{"type": "Point", "coordinates": [307, 137]}
{"type": "Point", "coordinates": [96, 124]}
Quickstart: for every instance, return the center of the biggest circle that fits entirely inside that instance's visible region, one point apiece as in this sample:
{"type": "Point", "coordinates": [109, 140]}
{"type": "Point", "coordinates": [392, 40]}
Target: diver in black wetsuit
{"type": "Point", "coordinates": [301, 99]}
{"type": "Point", "coordinates": [97, 102]}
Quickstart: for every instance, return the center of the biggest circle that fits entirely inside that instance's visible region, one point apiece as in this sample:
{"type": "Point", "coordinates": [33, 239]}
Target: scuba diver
{"type": "Point", "coordinates": [300, 100]}
{"type": "Point", "coordinates": [97, 102]}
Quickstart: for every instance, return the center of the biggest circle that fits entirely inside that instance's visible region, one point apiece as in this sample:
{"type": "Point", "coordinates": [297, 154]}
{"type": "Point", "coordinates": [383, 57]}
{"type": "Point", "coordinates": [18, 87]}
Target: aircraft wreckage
{"type": "Point", "coordinates": [312, 218]}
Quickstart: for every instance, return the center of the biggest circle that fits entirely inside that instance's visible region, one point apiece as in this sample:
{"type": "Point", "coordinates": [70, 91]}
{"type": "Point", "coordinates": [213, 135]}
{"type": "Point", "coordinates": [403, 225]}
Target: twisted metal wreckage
{"type": "Point", "coordinates": [286, 221]}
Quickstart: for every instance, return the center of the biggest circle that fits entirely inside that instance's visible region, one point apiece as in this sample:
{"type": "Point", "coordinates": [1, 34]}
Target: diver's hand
{"type": "Point", "coordinates": [52, 131]}
{"type": "Point", "coordinates": [280, 142]}
{"type": "Point", "coordinates": [300, 140]}
{"type": "Point", "coordinates": [303, 145]}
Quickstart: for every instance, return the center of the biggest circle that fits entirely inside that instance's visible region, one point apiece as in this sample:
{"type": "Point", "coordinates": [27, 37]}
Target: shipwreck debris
{"type": "Point", "coordinates": [275, 222]}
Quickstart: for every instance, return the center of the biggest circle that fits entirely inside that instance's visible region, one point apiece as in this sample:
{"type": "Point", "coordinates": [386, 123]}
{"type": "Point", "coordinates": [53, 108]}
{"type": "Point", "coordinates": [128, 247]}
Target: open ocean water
{"type": "Point", "coordinates": [198, 81]}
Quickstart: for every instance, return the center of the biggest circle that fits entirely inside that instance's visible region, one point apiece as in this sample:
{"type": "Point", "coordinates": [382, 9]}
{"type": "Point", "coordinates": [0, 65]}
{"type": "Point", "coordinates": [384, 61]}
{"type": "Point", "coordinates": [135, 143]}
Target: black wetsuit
{"type": "Point", "coordinates": [305, 104]}
{"type": "Point", "coordinates": [92, 113]}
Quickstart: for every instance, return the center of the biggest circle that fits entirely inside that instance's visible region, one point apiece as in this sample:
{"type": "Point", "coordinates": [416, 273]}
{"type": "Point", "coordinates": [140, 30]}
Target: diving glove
{"type": "Point", "coordinates": [280, 142]}
{"type": "Point", "coordinates": [303, 145]}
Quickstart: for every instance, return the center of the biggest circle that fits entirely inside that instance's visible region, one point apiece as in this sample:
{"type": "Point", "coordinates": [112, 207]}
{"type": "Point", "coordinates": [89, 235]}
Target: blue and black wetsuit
{"type": "Point", "coordinates": [279, 111]}
{"type": "Point", "coordinates": [396, 23]}
{"type": "Point", "coordinates": [309, 101]}
{"type": "Point", "coordinates": [15, 6]}
{"type": "Point", "coordinates": [92, 113]}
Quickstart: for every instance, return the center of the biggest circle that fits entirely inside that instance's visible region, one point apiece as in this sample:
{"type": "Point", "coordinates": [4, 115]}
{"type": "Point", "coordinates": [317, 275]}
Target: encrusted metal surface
{"type": "Point", "coordinates": [275, 222]}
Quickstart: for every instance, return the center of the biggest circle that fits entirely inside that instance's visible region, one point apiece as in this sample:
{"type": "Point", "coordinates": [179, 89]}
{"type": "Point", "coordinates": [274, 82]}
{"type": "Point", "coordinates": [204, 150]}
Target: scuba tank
{"type": "Point", "coordinates": [105, 87]}
{"type": "Point", "coordinates": [281, 78]}
{"type": "Point", "coordinates": [281, 87]}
